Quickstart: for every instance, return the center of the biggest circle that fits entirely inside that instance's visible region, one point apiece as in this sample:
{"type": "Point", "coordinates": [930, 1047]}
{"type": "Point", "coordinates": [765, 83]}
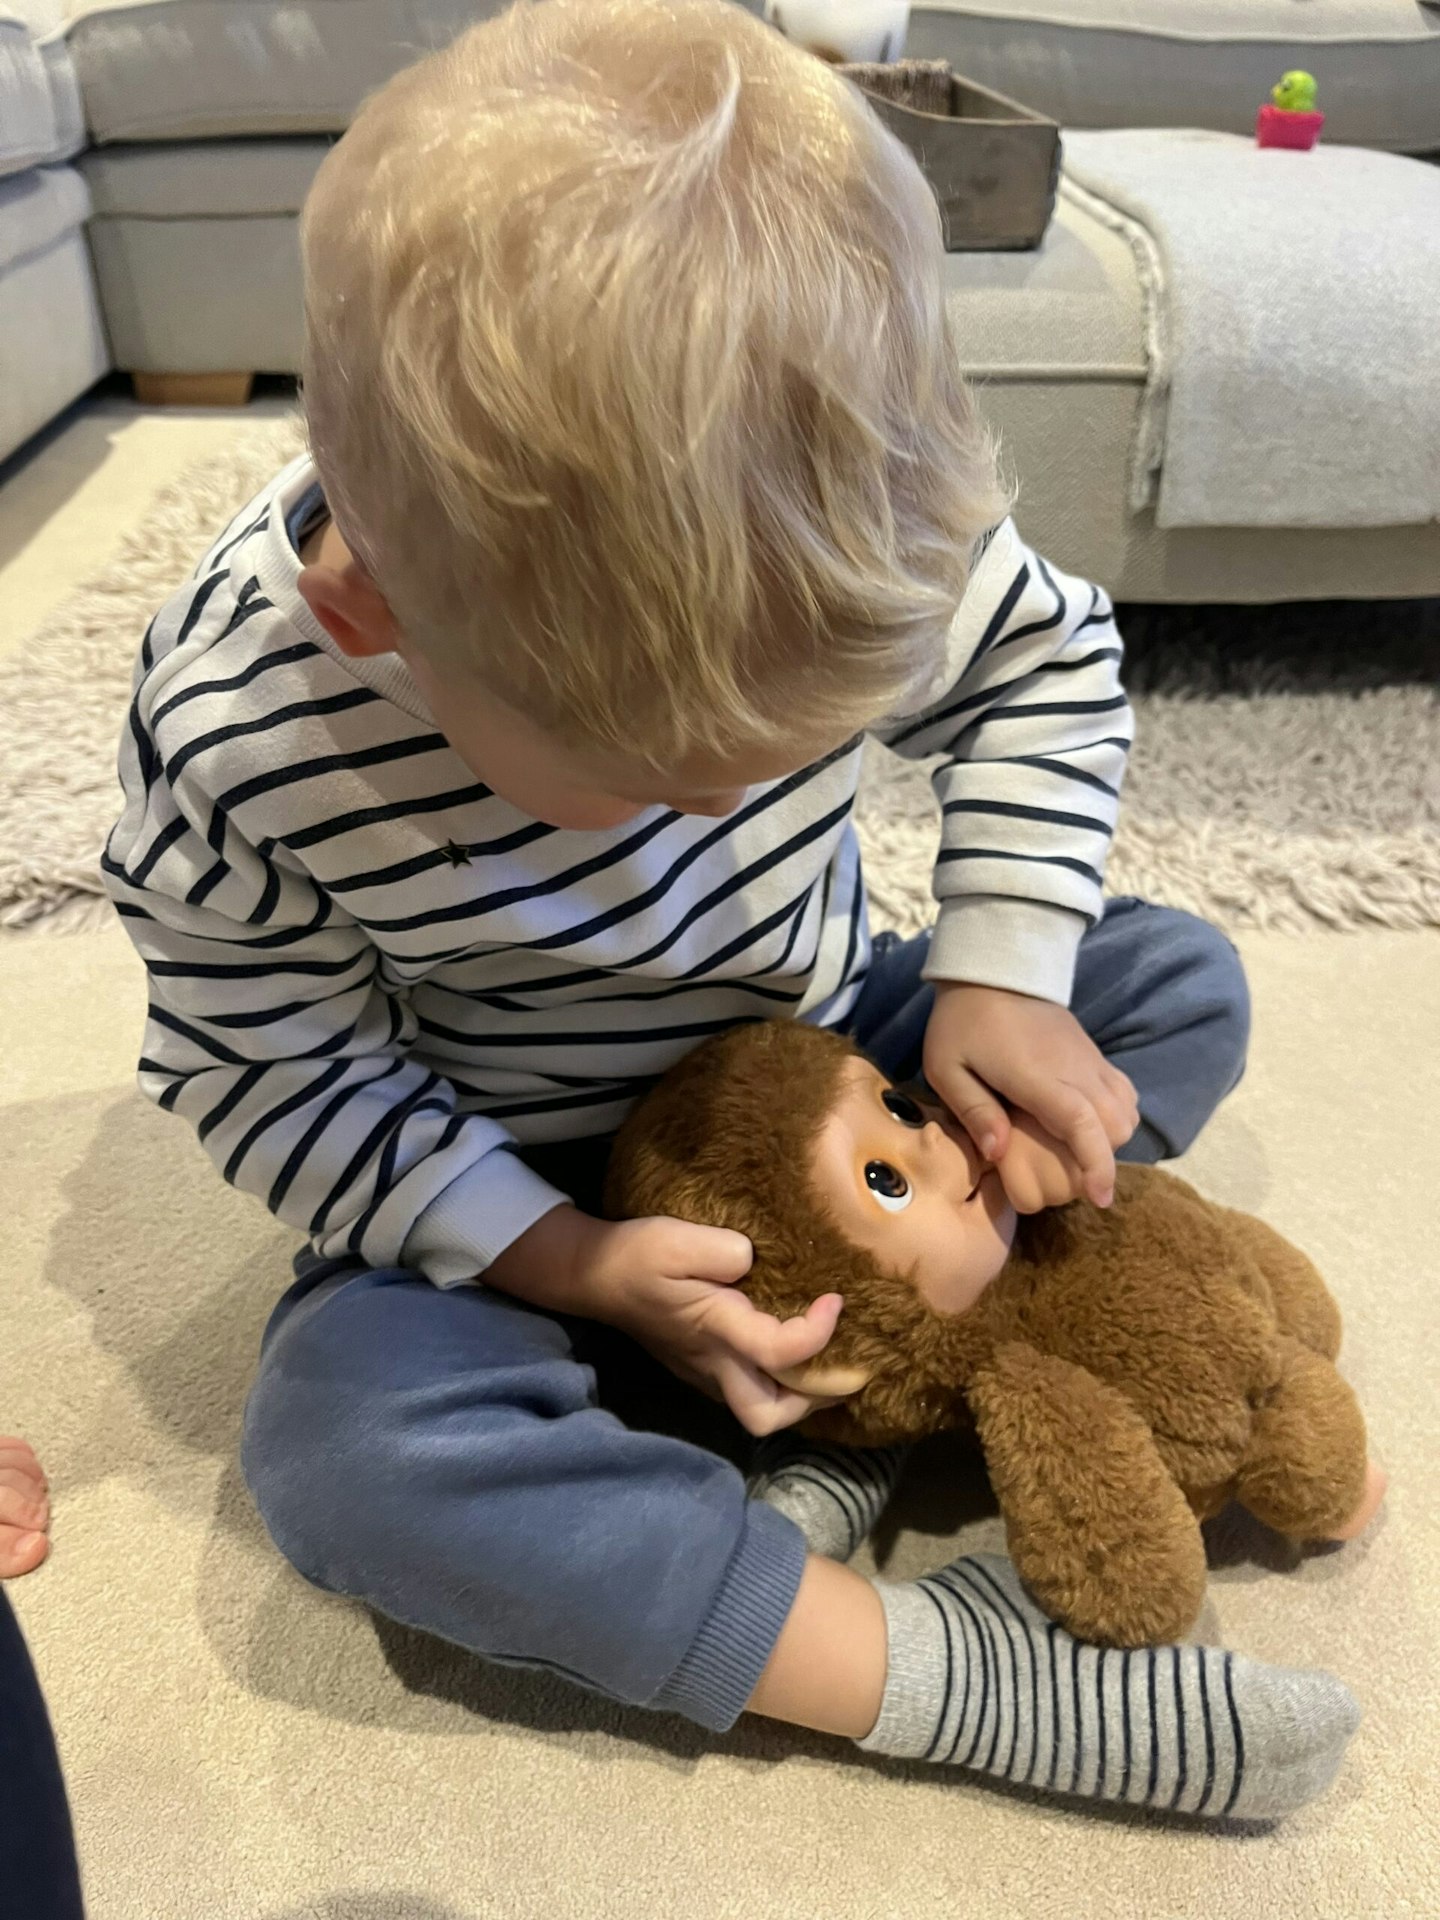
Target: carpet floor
{"type": "Point", "coordinates": [241, 1747]}
{"type": "Point", "coordinates": [1286, 771]}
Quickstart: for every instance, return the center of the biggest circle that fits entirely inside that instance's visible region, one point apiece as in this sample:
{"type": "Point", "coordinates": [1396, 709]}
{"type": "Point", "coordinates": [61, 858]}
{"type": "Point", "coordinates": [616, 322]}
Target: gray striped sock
{"type": "Point", "coordinates": [833, 1494]}
{"type": "Point", "coordinates": [980, 1678]}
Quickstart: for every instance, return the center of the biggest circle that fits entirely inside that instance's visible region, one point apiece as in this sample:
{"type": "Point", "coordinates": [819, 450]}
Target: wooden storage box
{"type": "Point", "coordinates": [991, 163]}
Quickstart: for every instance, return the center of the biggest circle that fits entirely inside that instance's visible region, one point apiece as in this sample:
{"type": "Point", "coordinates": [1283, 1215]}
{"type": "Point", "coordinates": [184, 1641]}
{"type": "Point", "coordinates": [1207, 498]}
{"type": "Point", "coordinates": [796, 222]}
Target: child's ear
{"type": "Point", "coordinates": [825, 1383]}
{"type": "Point", "coordinates": [351, 608]}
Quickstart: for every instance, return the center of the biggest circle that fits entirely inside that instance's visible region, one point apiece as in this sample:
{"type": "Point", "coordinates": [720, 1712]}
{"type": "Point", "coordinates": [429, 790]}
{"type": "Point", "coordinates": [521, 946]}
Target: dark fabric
{"type": "Point", "coordinates": [40, 1873]}
{"type": "Point", "coordinates": [308, 513]}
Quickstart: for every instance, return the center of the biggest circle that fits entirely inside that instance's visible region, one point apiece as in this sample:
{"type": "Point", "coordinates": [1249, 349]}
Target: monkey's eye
{"type": "Point", "coordinates": [889, 1185]}
{"type": "Point", "coordinates": [902, 1108]}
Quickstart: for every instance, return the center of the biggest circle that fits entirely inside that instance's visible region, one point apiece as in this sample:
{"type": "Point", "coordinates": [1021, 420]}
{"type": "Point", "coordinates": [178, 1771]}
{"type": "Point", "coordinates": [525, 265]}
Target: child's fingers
{"type": "Point", "coordinates": [710, 1253]}
{"type": "Point", "coordinates": [17, 1457]}
{"type": "Point", "coordinates": [1118, 1117]}
{"type": "Point", "coordinates": [1122, 1087]}
{"type": "Point", "coordinates": [1022, 1189]}
{"type": "Point", "coordinates": [771, 1344]}
{"type": "Point", "coordinates": [1071, 1117]}
{"type": "Point", "coordinates": [1038, 1177]}
{"type": "Point", "coordinates": [22, 1500]}
{"type": "Point", "coordinates": [20, 1552]}
{"type": "Point", "coordinates": [975, 1106]}
{"type": "Point", "coordinates": [1117, 1105]}
{"type": "Point", "coordinates": [760, 1404]}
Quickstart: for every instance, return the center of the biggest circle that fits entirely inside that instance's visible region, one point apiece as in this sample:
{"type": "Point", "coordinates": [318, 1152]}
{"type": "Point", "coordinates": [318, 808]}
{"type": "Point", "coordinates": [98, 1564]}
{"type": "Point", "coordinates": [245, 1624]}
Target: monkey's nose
{"type": "Point", "coordinates": [955, 1152]}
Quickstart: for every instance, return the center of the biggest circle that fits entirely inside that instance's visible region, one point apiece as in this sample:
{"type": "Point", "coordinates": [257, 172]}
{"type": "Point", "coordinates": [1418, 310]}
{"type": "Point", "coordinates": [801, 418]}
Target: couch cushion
{"type": "Point", "coordinates": [52, 338]}
{"type": "Point", "coordinates": [40, 114]}
{"type": "Point", "coordinates": [1081, 316]}
{"type": "Point", "coordinates": [182, 69]}
{"type": "Point", "coordinates": [41, 16]}
{"type": "Point", "coordinates": [1200, 63]}
{"type": "Point", "coordinates": [1068, 311]}
{"type": "Point", "coordinates": [36, 208]}
{"type": "Point", "coordinates": [27, 110]}
{"type": "Point", "coordinates": [70, 135]}
{"type": "Point", "coordinates": [219, 179]}
{"type": "Point", "coordinates": [186, 69]}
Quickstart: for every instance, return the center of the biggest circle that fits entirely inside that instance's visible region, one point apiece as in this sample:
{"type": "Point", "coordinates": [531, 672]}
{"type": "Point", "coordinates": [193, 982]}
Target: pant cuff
{"type": "Point", "coordinates": [718, 1675]}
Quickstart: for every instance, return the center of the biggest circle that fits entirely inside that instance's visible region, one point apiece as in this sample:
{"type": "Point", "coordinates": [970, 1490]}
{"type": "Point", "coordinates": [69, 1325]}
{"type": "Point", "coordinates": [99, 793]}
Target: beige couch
{"type": "Point", "coordinates": [52, 341]}
{"type": "Point", "coordinates": [210, 117]}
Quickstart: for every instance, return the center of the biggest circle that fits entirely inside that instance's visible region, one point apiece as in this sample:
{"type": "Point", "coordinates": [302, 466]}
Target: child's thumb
{"type": "Point", "coordinates": [977, 1109]}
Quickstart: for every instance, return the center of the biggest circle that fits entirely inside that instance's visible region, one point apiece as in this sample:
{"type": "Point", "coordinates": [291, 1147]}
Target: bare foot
{"type": "Point", "coordinates": [1376, 1481]}
{"type": "Point", "coordinates": [24, 1509]}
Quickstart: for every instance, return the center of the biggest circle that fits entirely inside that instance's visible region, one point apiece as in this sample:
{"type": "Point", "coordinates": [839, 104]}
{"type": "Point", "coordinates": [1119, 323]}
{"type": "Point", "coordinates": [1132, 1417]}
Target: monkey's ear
{"type": "Point", "coordinates": [825, 1383]}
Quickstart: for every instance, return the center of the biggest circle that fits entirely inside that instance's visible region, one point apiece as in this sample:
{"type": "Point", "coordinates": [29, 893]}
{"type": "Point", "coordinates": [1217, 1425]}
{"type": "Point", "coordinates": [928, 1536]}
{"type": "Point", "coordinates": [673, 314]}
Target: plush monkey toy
{"type": "Point", "coordinates": [1128, 1372]}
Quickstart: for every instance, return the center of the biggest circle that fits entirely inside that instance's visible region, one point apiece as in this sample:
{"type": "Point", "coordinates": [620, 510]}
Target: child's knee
{"type": "Point", "coordinates": [292, 1482]}
{"type": "Point", "coordinates": [364, 1400]}
{"type": "Point", "coordinates": [1187, 1024]}
{"type": "Point", "coordinates": [1217, 997]}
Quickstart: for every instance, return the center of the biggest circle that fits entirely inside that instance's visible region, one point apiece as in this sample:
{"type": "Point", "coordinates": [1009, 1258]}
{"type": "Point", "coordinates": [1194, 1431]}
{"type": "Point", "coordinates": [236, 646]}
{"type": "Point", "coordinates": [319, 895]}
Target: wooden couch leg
{"type": "Point", "coordinates": [192, 389]}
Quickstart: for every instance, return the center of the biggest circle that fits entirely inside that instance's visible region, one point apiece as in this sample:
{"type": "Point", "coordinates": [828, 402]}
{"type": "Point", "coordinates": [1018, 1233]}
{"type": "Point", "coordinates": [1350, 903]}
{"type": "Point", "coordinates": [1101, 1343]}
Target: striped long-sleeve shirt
{"type": "Point", "coordinates": [371, 977]}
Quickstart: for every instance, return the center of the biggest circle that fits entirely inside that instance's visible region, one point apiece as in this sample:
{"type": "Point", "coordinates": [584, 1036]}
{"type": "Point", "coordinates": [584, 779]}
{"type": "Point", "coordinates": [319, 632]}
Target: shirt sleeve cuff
{"type": "Point", "coordinates": [477, 1216]}
{"type": "Point", "coordinates": [1025, 946]}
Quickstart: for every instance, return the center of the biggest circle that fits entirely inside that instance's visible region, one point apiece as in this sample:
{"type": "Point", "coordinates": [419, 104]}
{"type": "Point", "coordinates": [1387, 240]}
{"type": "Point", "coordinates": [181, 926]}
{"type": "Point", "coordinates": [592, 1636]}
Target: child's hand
{"type": "Point", "coordinates": [671, 1286]}
{"type": "Point", "coordinates": [24, 1509]}
{"type": "Point", "coordinates": [984, 1041]}
{"type": "Point", "coordinates": [1037, 1170]}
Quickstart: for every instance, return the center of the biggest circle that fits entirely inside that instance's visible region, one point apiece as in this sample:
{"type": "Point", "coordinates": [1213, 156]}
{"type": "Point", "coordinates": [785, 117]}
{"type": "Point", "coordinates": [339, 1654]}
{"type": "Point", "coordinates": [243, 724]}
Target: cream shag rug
{"type": "Point", "coordinates": [1286, 772]}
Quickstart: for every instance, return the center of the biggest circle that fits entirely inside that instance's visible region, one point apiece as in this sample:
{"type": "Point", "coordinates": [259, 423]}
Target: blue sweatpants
{"type": "Point", "coordinates": [442, 1455]}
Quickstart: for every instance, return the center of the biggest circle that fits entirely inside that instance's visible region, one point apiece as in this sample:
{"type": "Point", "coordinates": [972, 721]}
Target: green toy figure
{"type": "Point", "coordinates": [1291, 118]}
{"type": "Point", "coordinates": [1295, 92]}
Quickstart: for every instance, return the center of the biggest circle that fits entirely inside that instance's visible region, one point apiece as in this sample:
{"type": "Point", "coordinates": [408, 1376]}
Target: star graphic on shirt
{"type": "Point", "coordinates": [457, 856]}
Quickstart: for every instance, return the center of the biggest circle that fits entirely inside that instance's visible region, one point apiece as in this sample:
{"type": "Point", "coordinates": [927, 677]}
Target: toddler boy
{"type": "Point", "coordinates": [508, 746]}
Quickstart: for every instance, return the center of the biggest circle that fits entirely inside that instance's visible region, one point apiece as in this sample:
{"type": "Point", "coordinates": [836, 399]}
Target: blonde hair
{"type": "Point", "coordinates": [629, 378]}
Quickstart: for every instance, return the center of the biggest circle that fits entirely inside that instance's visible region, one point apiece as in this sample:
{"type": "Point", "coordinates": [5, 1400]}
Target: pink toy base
{"type": "Point", "coordinates": [1282, 127]}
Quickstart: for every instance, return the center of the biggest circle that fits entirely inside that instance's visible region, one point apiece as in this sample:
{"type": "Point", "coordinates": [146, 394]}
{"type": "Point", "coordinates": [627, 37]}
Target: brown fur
{"type": "Point", "coordinates": [1129, 1372]}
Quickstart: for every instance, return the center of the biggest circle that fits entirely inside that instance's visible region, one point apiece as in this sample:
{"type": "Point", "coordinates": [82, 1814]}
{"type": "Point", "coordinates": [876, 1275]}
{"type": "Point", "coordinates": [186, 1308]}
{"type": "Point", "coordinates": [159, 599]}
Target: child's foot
{"type": "Point", "coordinates": [24, 1509]}
{"type": "Point", "coordinates": [833, 1494]}
{"type": "Point", "coordinates": [980, 1678]}
{"type": "Point", "coordinates": [1376, 1481]}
